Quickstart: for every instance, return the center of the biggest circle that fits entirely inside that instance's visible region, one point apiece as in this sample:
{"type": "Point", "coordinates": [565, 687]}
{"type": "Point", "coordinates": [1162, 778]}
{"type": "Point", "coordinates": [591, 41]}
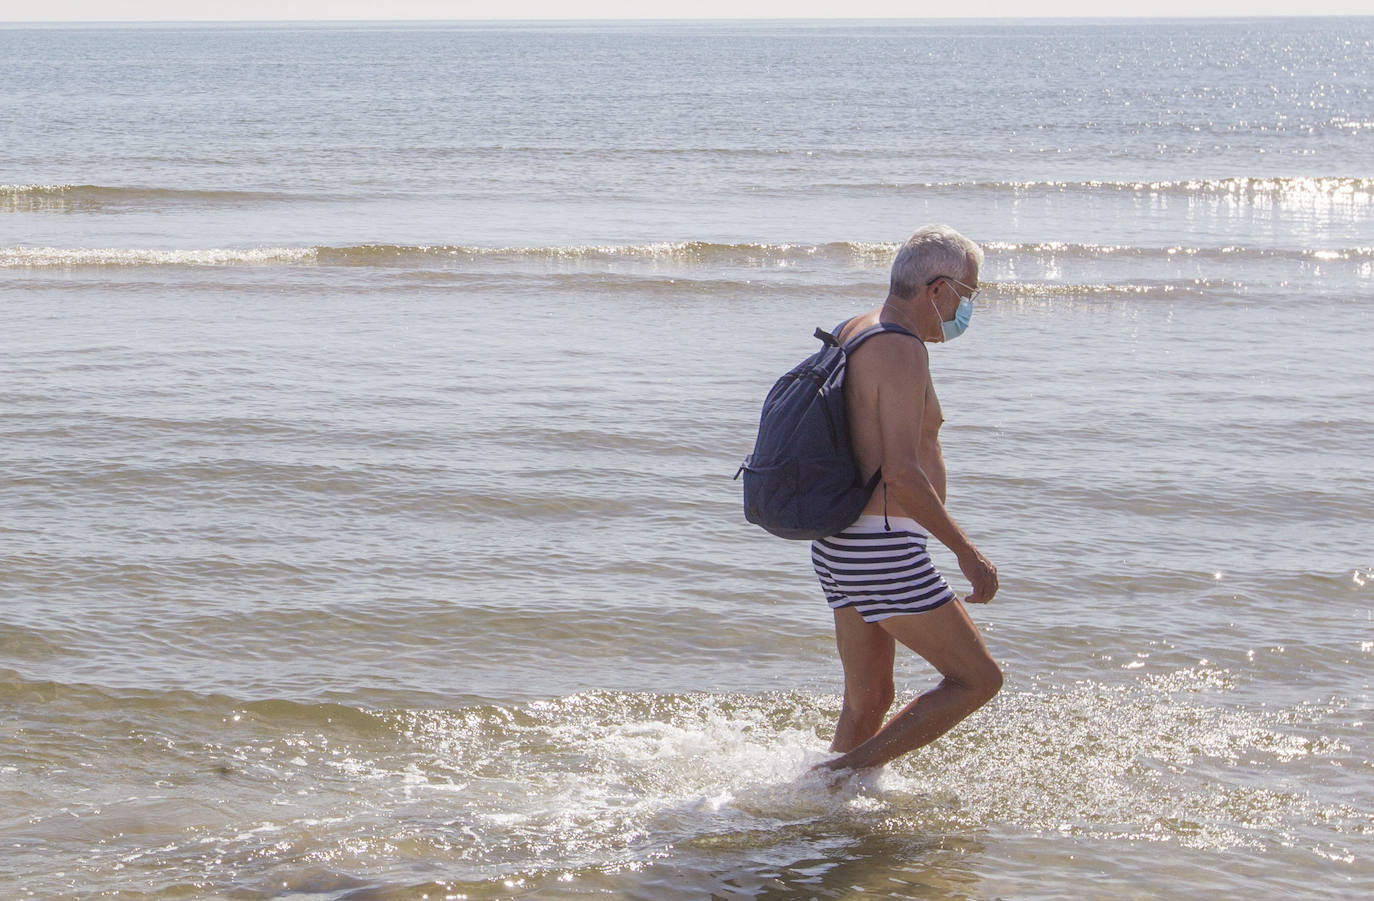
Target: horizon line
{"type": "Point", "coordinates": [703, 19]}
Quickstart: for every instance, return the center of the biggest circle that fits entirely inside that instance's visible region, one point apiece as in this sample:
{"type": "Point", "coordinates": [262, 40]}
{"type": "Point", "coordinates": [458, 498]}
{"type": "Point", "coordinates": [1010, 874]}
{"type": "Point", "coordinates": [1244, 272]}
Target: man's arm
{"type": "Point", "coordinates": [902, 376]}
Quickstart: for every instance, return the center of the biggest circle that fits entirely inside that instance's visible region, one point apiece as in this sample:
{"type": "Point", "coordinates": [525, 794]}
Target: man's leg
{"type": "Point", "coordinates": [948, 639]}
{"type": "Point", "coordinates": [866, 652]}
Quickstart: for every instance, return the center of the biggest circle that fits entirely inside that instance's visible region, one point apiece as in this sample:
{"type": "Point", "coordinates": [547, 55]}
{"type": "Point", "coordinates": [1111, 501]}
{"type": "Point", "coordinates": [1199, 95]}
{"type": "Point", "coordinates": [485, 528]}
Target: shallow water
{"type": "Point", "coordinates": [369, 530]}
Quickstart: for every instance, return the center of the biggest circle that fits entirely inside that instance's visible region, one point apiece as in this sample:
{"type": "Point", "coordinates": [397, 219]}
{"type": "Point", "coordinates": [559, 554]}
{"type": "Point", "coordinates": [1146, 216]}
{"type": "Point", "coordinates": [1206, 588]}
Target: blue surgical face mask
{"type": "Point", "coordinates": [955, 327]}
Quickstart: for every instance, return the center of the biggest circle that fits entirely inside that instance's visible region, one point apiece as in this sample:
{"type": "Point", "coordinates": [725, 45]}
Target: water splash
{"type": "Point", "coordinates": [605, 782]}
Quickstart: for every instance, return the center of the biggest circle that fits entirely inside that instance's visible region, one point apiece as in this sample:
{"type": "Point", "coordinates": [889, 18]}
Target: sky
{"type": "Point", "coordinates": [262, 10]}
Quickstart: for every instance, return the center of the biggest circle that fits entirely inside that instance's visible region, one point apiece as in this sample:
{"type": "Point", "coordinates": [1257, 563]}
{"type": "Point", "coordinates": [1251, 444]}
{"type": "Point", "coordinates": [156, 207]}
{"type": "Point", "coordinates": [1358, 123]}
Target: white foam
{"type": "Point", "coordinates": [13, 257]}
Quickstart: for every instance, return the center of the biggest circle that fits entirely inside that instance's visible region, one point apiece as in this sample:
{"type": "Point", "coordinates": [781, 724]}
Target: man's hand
{"type": "Point", "coordinates": [981, 575]}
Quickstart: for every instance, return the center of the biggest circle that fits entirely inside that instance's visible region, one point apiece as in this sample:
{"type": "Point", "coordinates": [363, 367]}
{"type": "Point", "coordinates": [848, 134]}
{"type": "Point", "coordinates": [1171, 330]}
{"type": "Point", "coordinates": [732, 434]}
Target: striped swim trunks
{"type": "Point", "coordinates": [880, 573]}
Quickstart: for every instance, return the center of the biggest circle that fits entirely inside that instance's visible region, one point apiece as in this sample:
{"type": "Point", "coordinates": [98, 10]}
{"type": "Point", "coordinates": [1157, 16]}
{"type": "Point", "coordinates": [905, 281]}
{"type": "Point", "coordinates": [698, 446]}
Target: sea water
{"type": "Point", "coordinates": [371, 396]}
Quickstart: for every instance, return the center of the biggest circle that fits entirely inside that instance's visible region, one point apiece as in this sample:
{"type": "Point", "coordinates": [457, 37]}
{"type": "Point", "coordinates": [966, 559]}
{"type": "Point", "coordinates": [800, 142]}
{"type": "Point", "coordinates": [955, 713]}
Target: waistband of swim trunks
{"type": "Point", "coordinates": [875, 522]}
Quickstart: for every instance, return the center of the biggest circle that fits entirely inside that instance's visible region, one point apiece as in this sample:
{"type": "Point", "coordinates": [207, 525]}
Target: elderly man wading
{"type": "Point", "coordinates": [876, 574]}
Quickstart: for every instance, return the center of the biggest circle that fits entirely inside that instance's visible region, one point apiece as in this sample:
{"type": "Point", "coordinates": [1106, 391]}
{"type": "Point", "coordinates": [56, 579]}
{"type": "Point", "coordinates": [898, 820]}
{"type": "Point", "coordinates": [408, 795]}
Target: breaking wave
{"type": "Point", "coordinates": [35, 198]}
{"type": "Point", "coordinates": [1333, 187]}
{"type": "Point", "coordinates": [686, 253]}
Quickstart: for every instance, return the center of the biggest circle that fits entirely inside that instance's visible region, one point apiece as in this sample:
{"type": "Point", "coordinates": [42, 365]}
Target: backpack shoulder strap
{"type": "Point", "coordinates": [853, 343]}
{"type": "Point", "coordinates": [831, 339]}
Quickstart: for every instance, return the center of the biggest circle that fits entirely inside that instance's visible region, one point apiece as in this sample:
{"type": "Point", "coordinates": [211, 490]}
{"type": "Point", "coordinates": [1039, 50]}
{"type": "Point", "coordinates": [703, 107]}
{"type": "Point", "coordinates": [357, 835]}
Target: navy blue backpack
{"type": "Point", "coordinates": [802, 481]}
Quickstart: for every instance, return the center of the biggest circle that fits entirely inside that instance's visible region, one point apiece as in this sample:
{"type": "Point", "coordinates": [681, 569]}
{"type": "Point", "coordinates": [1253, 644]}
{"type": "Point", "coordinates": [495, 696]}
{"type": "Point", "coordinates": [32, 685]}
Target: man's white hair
{"type": "Point", "coordinates": [934, 251]}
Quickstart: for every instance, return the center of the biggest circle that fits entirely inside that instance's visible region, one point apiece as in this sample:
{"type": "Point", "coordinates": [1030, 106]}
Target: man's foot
{"type": "Point", "coordinates": [830, 772]}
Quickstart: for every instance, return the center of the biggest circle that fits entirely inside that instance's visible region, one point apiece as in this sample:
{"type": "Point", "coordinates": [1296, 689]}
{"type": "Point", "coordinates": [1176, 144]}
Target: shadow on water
{"type": "Point", "coordinates": [882, 858]}
{"type": "Point", "coordinates": [819, 862]}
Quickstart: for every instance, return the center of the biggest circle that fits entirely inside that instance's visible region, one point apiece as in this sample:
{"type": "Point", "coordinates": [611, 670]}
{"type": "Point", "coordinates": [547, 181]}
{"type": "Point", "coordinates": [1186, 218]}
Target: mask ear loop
{"type": "Point", "coordinates": [938, 316]}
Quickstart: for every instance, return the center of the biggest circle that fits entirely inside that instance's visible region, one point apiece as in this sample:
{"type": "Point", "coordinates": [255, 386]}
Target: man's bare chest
{"type": "Point", "coordinates": [933, 416]}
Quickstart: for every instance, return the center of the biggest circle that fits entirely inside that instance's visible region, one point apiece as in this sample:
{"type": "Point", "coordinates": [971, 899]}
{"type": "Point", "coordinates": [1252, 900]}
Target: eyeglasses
{"type": "Point", "coordinates": [974, 292]}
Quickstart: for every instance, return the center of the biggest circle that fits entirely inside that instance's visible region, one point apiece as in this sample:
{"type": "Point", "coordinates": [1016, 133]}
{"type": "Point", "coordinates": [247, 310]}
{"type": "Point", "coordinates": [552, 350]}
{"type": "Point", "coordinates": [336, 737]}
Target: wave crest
{"type": "Point", "coordinates": [1281, 187]}
{"type": "Point", "coordinates": [687, 252]}
{"type": "Point", "coordinates": [62, 257]}
{"type": "Point", "coordinates": [703, 254]}
{"type": "Point", "coordinates": [36, 198]}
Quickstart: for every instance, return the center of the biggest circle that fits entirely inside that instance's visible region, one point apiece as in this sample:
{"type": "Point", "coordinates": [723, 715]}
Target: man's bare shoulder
{"type": "Point", "coordinates": [891, 354]}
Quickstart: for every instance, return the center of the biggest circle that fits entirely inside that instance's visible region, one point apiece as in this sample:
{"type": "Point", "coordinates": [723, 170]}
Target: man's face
{"type": "Point", "coordinates": [946, 293]}
{"type": "Point", "coordinates": [951, 290]}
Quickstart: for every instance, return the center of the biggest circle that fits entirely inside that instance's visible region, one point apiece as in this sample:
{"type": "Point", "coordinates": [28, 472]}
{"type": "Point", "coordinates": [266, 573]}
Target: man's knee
{"type": "Point", "coordinates": [985, 681]}
{"type": "Point", "coordinates": [873, 699]}
{"type": "Point", "coordinates": [884, 696]}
